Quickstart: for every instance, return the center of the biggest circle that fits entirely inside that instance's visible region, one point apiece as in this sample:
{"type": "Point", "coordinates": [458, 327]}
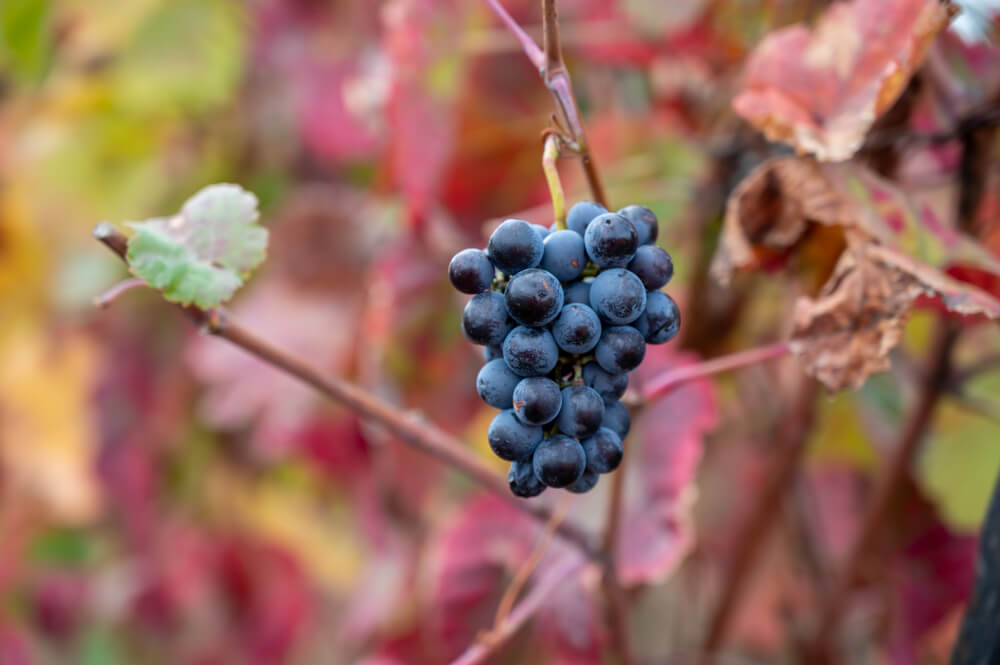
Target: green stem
{"type": "Point", "coordinates": [549, 157]}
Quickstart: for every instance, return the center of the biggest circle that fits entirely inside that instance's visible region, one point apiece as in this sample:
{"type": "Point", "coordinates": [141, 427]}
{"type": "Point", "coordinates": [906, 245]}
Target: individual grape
{"type": "Point", "coordinates": [611, 241]}
{"type": "Point", "coordinates": [582, 411]}
{"type": "Point", "coordinates": [617, 296]}
{"type": "Point", "coordinates": [584, 483]}
{"type": "Point", "coordinates": [559, 461]}
{"type": "Point", "coordinates": [661, 319]}
{"type": "Point", "coordinates": [581, 214]}
{"type": "Point", "coordinates": [530, 351]}
{"type": "Point", "coordinates": [515, 246]}
{"type": "Point", "coordinates": [621, 349]}
{"type": "Point", "coordinates": [534, 297]}
{"type": "Point", "coordinates": [495, 384]}
{"type": "Point", "coordinates": [617, 418]}
{"type": "Point", "coordinates": [644, 221]}
{"type": "Point", "coordinates": [608, 386]}
{"type": "Point", "coordinates": [492, 352]}
{"type": "Point", "coordinates": [577, 292]}
{"type": "Point", "coordinates": [604, 450]}
{"type": "Point", "coordinates": [522, 480]}
{"type": "Point", "coordinates": [536, 400]}
{"type": "Point", "coordinates": [471, 271]}
{"type": "Point", "coordinates": [485, 319]}
{"type": "Point", "coordinates": [542, 231]}
{"type": "Point", "coordinates": [510, 439]}
{"type": "Point", "coordinates": [564, 255]}
{"type": "Point", "coordinates": [577, 329]}
{"type": "Point", "coordinates": [652, 266]}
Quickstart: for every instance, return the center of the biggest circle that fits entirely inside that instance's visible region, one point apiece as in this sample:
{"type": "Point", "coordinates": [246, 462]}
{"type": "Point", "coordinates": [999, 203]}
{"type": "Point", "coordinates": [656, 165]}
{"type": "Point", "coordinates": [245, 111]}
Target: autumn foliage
{"type": "Point", "coordinates": [302, 476]}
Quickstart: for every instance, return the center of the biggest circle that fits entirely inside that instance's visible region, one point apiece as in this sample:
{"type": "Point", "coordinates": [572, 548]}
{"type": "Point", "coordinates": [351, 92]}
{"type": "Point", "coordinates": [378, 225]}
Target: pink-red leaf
{"type": "Point", "coordinates": [664, 452]}
{"type": "Point", "coordinates": [820, 90]}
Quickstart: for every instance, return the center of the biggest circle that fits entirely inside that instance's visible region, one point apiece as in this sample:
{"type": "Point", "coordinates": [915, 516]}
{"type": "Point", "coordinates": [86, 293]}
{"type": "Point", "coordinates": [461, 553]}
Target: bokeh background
{"type": "Point", "coordinates": [165, 498]}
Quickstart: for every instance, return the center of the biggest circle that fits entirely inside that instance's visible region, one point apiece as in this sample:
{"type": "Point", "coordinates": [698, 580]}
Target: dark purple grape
{"type": "Point", "coordinates": [530, 351]}
{"type": "Point", "coordinates": [581, 214]}
{"type": "Point", "coordinates": [604, 451]}
{"type": "Point", "coordinates": [495, 384]}
{"type": "Point", "coordinates": [536, 400]}
{"type": "Point", "coordinates": [578, 291]}
{"type": "Point", "coordinates": [577, 329]}
{"type": "Point", "coordinates": [485, 319]}
{"type": "Point", "coordinates": [644, 221]}
{"type": "Point", "coordinates": [559, 461]}
{"type": "Point", "coordinates": [611, 241]}
{"type": "Point", "coordinates": [617, 418]}
{"type": "Point", "coordinates": [584, 483]}
{"type": "Point", "coordinates": [652, 266]}
{"type": "Point", "coordinates": [617, 296]}
{"type": "Point", "coordinates": [510, 439]}
{"type": "Point", "coordinates": [608, 386]}
{"type": "Point", "coordinates": [564, 255]}
{"type": "Point", "coordinates": [471, 271]}
{"type": "Point", "coordinates": [582, 411]}
{"type": "Point", "coordinates": [515, 246]}
{"type": "Point", "coordinates": [661, 319]}
{"type": "Point", "coordinates": [492, 352]}
{"type": "Point", "coordinates": [534, 297]}
{"type": "Point", "coordinates": [620, 350]}
{"type": "Point", "coordinates": [522, 480]}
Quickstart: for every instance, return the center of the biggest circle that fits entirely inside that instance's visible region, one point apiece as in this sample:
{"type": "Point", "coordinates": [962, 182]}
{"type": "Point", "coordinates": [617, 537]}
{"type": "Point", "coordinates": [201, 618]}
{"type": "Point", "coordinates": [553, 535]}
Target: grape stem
{"type": "Point", "coordinates": [407, 425]}
{"type": "Point", "coordinates": [549, 156]}
{"type": "Point", "coordinates": [556, 78]}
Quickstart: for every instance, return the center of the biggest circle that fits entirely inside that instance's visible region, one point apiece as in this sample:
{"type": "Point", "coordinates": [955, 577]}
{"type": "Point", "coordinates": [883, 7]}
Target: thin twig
{"type": "Point", "coordinates": [479, 652]}
{"type": "Point", "coordinates": [528, 567]}
{"type": "Point", "coordinates": [762, 515]}
{"type": "Point", "coordinates": [550, 38]}
{"type": "Point", "coordinates": [556, 78]}
{"type": "Point", "coordinates": [105, 299]}
{"type": "Point", "coordinates": [889, 480]}
{"type": "Point", "coordinates": [408, 426]}
{"type": "Point", "coordinates": [528, 44]}
{"type": "Point", "coordinates": [671, 379]}
{"type": "Point", "coordinates": [617, 609]}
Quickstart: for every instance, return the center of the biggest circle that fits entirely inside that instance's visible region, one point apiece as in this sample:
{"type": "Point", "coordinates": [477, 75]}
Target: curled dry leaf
{"type": "Point", "coordinates": [821, 90]}
{"type": "Point", "coordinates": [846, 333]}
{"type": "Point", "coordinates": [897, 251]}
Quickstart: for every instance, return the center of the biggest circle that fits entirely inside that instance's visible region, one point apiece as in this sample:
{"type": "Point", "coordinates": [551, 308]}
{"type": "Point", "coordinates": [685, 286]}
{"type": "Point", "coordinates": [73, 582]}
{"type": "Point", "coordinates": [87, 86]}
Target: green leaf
{"type": "Point", "coordinates": [25, 38]}
{"type": "Point", "coordinates": [204, 254]}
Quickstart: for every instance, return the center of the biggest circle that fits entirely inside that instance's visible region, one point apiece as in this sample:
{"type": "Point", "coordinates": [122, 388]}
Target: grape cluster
{"type": "Point", "coordinates": [564, 316]}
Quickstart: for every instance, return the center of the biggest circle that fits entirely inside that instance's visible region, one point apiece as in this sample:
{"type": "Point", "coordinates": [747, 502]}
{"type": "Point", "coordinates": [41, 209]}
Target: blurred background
{"type": "Point", "coordinates": [165, 498]}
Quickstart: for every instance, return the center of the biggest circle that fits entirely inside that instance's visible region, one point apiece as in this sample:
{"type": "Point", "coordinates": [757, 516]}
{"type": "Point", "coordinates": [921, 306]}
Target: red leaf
{"type": "Point", "coordinates": [656, 532]}
{"type": "Point", "coordinates": [821, 90]}
{"type": "Point", "coordinates": [243, 390]}
{"type": "Point", "coordinates": [571, 626]}
{"type": "Point", "coordinates": [471, 563]}
{"type": "Point", "coordinates": [427, 79]}
{"type": "Point", "coordinates": [290, 52]}
{"type": "Point", "coordinates": [15, 649]}
{"type": "Point", "coordinates": [933, 575]}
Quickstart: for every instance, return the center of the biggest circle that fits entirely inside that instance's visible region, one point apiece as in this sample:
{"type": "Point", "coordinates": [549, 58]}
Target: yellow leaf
{"type": "Point", "coordinates": [47, 437]}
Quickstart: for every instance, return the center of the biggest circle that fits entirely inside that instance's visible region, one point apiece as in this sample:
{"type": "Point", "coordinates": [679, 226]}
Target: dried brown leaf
{"type": "Point", "coordinates": [846, 333]}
